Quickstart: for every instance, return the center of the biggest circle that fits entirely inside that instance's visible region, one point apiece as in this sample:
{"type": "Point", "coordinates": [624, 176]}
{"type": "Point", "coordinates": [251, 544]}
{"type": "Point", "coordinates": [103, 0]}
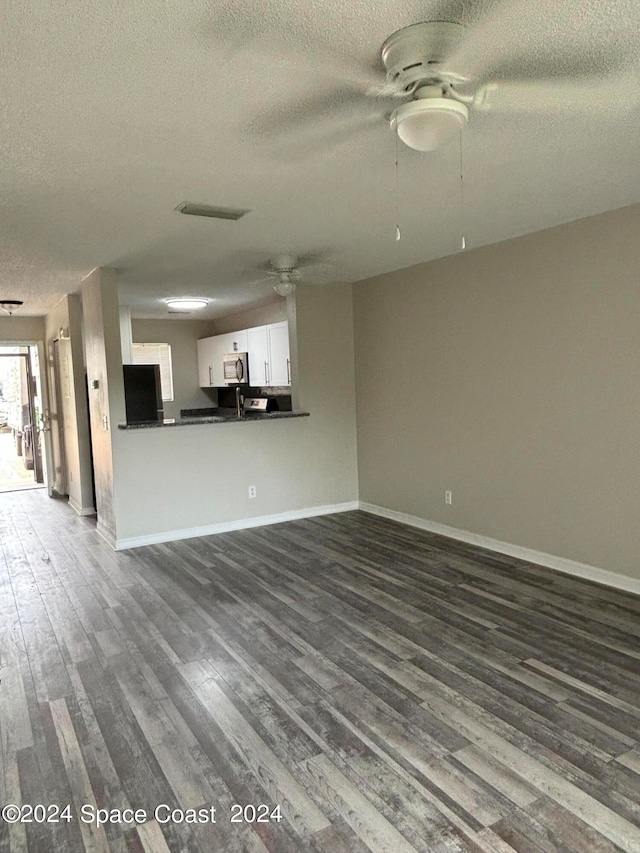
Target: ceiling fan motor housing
{"type": "Point", "coordinates": [284, 263]}
{"type": "Point", "coordinates": [419, 54]}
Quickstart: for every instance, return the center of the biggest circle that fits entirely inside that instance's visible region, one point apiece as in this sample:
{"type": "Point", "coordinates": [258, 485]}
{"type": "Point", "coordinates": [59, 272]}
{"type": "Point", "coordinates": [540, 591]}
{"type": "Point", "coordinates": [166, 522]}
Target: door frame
{"type": "Point", "coordinates": [45, 427]}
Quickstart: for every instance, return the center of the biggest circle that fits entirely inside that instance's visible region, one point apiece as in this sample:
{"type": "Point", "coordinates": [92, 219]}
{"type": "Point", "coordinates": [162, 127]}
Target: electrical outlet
{"type": "Point", "coordinates": [252, 491]}
{"type": "Point", "coordinates": [447, 497]}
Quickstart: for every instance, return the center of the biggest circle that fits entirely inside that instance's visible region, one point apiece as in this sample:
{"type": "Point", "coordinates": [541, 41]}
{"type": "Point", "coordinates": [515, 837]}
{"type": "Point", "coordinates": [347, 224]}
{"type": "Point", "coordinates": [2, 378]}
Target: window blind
{"type": "Point", "coordinates": [156, 354]}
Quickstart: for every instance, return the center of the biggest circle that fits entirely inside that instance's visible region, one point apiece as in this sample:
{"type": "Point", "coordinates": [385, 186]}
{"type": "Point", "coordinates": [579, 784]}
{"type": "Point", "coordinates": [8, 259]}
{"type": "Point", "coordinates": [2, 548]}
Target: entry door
{"type": "Point", "coordinates": [28, 413]}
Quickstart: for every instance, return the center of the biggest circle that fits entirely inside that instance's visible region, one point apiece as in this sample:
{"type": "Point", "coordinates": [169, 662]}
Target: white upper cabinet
{"type": "Point", "coordinates": [268, 348]}
{"type": "Point", "coordinates": [205, 362]}
{"type": "Point", "coordinates": [210, 356]}
{"type": "Point", "coordinates": [258, 349]}
{"type": "Point", "coordinates": [219, 346]}
{"type": "Point", "coordinates": [279, 363]}
{"type": "Point", "coordinates": [269, 355]}
{"type": "Point", "coordinates": [236, 341]}
{"type": "Point", "coordinates": [223, 345]}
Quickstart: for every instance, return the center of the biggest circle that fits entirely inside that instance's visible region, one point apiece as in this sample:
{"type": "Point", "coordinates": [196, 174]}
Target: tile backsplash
{"type": "Point", "coordinates": [282, 396]}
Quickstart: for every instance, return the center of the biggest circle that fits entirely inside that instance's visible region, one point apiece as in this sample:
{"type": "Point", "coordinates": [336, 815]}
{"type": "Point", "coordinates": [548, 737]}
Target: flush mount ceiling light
{"type": "Point", "coordinates": [185, 304]}
{"type": "Point", "coordinates": [10, 305]}
{"type": "Point", "coordinates": [430, 120]}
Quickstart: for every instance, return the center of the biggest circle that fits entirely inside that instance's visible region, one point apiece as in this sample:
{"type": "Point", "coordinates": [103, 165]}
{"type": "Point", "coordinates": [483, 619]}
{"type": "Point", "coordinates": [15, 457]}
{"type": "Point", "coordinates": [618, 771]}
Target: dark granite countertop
{"type": "Point", "coordinates": [224, 417]}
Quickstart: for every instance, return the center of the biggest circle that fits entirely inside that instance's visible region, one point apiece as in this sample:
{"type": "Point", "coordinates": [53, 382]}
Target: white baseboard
{"type": "Point", "coordinates": [81, 510]}
{"type": "Point", "coordinates": [227, 526]}
{"type": "Point", "coordinates": [550, 561]}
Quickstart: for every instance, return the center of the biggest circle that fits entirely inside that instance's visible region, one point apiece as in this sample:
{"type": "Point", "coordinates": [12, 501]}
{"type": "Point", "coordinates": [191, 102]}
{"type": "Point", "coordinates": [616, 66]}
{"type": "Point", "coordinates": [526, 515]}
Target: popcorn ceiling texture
{"type": "Point", "coordinates": [113, 113]}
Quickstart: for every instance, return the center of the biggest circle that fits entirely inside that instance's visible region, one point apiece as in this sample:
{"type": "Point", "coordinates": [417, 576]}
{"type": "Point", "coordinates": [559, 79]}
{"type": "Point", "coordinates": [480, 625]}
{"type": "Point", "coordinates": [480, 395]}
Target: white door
{"type": "Point", "coordinates": [236, 341]}
{"type": "Point", "coordinates": [279, 363]}
{"type": "Point", "coordinates": [258, 349]}
{"type": "Point", "coordinates": [205, 378]}
{"type": "Point", "coordinates": [219, 347]}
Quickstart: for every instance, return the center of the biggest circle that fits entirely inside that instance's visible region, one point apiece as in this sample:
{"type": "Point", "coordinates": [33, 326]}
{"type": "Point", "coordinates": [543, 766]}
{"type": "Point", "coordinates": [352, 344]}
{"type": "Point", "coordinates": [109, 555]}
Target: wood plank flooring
{"type": "Point", "coordinates": [389, 689]}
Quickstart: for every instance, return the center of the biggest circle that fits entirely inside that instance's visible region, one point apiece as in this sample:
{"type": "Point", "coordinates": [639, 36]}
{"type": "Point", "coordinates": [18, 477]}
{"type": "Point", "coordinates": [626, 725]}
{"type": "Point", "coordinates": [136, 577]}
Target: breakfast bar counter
{"type": "Point", "coordinates": [222, 418]}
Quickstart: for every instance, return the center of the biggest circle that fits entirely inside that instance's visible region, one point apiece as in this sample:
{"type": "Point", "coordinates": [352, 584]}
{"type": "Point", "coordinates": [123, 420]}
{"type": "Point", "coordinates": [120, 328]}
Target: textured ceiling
{"type": "Point", "coordinates": [114, 113]}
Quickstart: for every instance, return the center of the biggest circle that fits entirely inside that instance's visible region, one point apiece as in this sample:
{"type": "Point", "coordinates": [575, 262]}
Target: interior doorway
{"type": "Point", "coordinates": [22, 461]}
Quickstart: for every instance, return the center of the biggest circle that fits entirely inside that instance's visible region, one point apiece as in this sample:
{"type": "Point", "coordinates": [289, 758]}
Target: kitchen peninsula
{"type": "Point", "coordinates": [158, 485]}
{"type": "Point", "coordinates": [258, 352]}
{"type": "Point", "coordinates": [227, 418]}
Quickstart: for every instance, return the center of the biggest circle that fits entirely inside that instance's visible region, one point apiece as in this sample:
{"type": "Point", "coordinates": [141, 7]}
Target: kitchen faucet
{"type": "Point", "coordinates": [239, 402]}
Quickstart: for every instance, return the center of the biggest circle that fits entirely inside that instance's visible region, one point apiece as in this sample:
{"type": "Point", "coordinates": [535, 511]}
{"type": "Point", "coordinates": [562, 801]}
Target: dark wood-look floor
{"type": "Point", "coordinates": [390, 689]}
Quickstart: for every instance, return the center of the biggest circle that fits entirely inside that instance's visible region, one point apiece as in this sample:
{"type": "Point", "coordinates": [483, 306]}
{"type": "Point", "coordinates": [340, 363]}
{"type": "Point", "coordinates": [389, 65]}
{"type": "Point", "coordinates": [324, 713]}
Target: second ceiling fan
{"type": "Point", "coordinates": [286, 270]}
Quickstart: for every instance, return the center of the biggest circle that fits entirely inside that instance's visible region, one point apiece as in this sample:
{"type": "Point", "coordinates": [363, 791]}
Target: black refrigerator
{"type": "Point", "coordinates": [143, 393]}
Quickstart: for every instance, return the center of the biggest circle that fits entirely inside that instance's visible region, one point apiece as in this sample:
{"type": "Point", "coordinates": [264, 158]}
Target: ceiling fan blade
{"type": "Point", "coordinates": [317, 127]}
{"type": "Point", "coordinates": [265, 53]}
{"type": "Point", "coordinates": [314, 257]}
{"type": "Point", "coordinates": [480, 51]}
{"type": "Point", "coordinates": [320, 274]}
{"type": "Point", "coordinates": [310, 113]}
{"type": "Point", "coordinates": [251, 281]}
{"type": "Point", "coordinates": [518, 38]}
{"type": "Point", "coordinates": [558, 96]}
{"type": "Point", "coordinates": [365, 80]}
{"type": "Point", "coordinates": [321, 143]}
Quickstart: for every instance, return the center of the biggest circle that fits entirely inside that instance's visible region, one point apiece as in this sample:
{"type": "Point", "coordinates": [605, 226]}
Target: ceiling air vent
{"type": "Point", "coordinates": [192, 209]}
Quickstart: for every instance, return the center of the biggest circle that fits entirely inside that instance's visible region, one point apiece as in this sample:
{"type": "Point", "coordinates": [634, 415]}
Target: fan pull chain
{"type": "Point", "coordinates": [463, 241]}
{"type": "Point", "coordinates": [397, 195]}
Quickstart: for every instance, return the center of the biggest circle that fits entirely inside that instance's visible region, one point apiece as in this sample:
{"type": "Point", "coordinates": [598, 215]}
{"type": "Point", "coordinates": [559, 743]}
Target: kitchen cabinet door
{"type": "Point", "coordinates": [236, 341]}
{"type": "Point", "coordinates": [268, 348]}
{"type": "Point", "coordinates": [205, 362]}
{"type": "Point", "coordinates": [258, 349]}
{"type": "Point", "coordinates": [219, 346]}
{"type": "Point", "coordinates": [279, 363]}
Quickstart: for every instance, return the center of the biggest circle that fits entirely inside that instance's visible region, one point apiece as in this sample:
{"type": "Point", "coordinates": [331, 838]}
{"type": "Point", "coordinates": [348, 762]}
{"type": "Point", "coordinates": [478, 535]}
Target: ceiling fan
{"type": "Point", "coordinates": [420, 65]}
{"type": "Point", "coordinates": [285, 270]}
{"type": "Point", "coordinates": [430, 63]}
{"type": "Point", "coordinates": [442, 71]}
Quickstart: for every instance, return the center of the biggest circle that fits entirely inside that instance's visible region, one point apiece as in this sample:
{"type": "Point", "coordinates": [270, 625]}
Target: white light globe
{"type": "Point", "coordinates": [429, 123]}
{"type": "Point", "coordinates": [284, 288]}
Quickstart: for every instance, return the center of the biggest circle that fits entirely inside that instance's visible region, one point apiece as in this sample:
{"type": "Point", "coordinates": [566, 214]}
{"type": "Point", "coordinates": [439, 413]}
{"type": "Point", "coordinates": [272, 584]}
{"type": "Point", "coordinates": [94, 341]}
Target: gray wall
{"type": "Point", "coordinates": [104, 366]}
{"type": "Point", "coordinates": [188, 477]}
{"type": "Point", "coordinates": [509, 375]}
{"type": "Point", "coordinates": [269, 312]}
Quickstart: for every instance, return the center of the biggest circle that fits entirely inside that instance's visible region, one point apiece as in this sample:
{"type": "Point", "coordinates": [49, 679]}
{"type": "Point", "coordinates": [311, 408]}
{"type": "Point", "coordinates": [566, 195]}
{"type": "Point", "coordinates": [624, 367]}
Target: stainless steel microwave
{"type": "Point", "coordinates": [236, 368]}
